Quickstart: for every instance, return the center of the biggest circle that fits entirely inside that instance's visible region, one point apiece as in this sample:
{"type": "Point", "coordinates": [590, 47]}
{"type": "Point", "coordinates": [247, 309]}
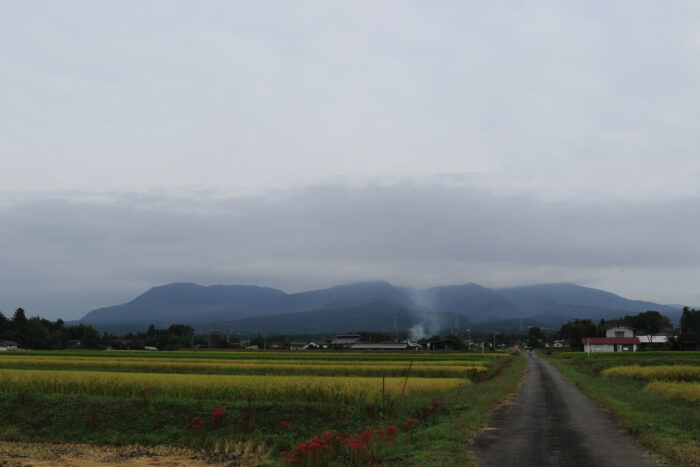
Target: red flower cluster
{"type": "Point", "coordinates": [390, 432]}
{"type": "Point", "coordinates": [217, 413]}
{"type": "Point", "coordinates": [316, 447]}
{"type": "Point", "coordinates": [195, 423]}
{"type": "Point", "coordinates": [218, 417]}
{"type": "Point", "coordinates": [283, 424]}
{"type": "Point", "coordinates": [359, 440]}
{"type": "Point", "coordinates": [325, 448]}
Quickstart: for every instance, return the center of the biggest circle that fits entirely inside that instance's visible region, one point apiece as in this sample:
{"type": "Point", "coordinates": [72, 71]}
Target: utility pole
{"type": "Point", "coordinates": [469, 345]}
{"type": "Point", "coordinates": [396, 332]}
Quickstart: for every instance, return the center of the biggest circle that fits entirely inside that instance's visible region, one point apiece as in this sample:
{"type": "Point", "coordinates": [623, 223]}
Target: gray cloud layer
{"type": "Point", "coordinates": [65, 254]}
{"type": "Point", "coordinates": [594, 96]}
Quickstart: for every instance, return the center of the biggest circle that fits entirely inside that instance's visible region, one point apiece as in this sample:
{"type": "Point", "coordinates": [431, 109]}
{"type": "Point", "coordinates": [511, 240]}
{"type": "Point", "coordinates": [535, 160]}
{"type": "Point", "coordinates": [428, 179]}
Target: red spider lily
{"type": "Point", "coordinates": [195, 423]}
{"type": "Point", "coordinates": [389, 432]}
{"type": "Point", "coordinates": [217, 413]}
{"type": "Point", "coordinates": [283, 424]}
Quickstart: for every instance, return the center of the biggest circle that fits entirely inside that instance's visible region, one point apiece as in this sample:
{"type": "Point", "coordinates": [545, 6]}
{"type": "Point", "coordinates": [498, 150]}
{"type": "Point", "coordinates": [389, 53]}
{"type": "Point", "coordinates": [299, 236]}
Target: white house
{"type": "Point", "coordinates": [619, 331]}
{"type": "Point", "coordinates": [617, 339]}
{"type": "Point", "coordinates": [610, 344]}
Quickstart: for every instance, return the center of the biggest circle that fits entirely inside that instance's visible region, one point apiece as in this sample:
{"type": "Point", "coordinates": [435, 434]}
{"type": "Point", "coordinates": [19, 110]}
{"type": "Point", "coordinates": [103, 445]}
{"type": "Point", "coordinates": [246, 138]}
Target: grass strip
{"type": "Point", "coordinates": [446, 443]}
{"type": "Point", "coordinates": [668, 428]}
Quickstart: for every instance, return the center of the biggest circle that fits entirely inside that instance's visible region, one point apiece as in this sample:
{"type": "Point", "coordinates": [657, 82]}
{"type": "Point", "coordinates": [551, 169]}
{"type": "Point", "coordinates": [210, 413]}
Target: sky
{"type": "Point", "coordinates": [305, 144]}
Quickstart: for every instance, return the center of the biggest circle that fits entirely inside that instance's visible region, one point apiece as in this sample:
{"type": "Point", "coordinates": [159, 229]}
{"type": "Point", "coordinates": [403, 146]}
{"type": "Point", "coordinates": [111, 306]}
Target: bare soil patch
{"type": "Point", "coordinates": [13, 454]}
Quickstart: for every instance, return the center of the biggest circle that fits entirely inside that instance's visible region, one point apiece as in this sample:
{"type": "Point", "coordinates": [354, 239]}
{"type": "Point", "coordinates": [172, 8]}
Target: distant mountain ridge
{"type": "Point", "coordinates": [370, 306]}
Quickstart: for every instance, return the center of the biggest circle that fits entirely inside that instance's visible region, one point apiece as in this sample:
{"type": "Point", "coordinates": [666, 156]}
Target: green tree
{"type": "Point", "coordinates": [535, 337]}
{"type": "Point", "coordinates": [651, 322]}
{"type": "Point", "coordinates": [458, 342]}
{"type": "Point", "coordinates": [4, 324]}
{"type": "Point", "coordinates": [690, 323]}
{"type": "Point", "coordinates": [90, 338]}
{"type": "Point", "coordinates": [574, 331]}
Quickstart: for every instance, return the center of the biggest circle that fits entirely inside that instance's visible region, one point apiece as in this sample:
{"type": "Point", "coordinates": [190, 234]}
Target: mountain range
{"type": "Point", "coordinates": [366, 306]}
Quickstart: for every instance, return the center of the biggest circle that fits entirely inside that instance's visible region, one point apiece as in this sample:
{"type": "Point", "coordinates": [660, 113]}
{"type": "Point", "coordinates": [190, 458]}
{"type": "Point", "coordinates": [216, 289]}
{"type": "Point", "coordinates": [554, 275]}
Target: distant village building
{"type": "Point", "coordinates": [445, 344]}
{"type": "Point", "coordinates": [654, 341]}
{"type": "Point", "coordinates": [345, 341]}
{"type": "Point", "coordinates": [306, 345]}
{"type": "Point", "coordinates": [6, 345]}
{"type": "Point", "coordinates": [406, 345]}
{"type": "Point", "coordinates": [559, 344]}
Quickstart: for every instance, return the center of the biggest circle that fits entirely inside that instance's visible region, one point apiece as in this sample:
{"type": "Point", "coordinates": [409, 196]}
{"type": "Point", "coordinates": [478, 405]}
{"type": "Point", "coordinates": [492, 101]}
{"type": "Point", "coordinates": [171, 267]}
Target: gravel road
{"type": "Point", "coordinates": [552, 423]}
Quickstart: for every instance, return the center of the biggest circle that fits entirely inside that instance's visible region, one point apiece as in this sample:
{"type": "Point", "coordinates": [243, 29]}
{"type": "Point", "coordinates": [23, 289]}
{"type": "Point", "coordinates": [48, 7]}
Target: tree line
{"type": "Point", "coordinates": [37, 333]}
{"type": "Point", "coordinates": [647, 323]}
{"type": "Point", "coordinates": [42, 334]}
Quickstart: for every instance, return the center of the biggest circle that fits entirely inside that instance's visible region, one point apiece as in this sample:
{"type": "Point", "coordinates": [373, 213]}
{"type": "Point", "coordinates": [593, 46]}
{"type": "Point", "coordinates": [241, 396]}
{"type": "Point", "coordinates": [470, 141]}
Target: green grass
{"type": "Point", "coordinates": [445, 443]}
{"type": "Point", "coordinates": [669, 428]}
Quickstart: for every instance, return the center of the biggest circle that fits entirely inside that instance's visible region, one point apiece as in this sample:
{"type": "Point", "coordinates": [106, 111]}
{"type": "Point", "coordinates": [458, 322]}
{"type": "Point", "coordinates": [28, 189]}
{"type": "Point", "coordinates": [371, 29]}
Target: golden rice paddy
{"type": "Point", "coordinates": [684, 392]}
{"type": "Point", "coordinates": [655, 373]}
{"type": "Point", "coordinates": [219, 387]}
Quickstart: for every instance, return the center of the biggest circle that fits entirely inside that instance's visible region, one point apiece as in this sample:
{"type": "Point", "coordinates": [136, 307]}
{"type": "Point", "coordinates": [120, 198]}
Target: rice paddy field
{"type": "Point", "coordinates": [656, 395]}
{"type": "Point", "coordinates": [289, 408]}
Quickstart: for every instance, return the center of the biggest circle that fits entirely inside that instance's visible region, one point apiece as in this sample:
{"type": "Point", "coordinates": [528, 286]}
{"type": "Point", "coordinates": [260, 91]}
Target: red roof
{"type": "Point", "coordinates": [610, 340]}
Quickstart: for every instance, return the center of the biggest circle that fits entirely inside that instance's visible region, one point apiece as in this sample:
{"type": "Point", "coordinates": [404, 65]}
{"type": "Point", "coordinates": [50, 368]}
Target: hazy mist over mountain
{"type": "Point", "coordinates": [366, 306]}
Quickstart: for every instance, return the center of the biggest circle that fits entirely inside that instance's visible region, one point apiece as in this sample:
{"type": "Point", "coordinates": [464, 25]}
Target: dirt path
{"type": "Point", "coordinates": [552, 423]}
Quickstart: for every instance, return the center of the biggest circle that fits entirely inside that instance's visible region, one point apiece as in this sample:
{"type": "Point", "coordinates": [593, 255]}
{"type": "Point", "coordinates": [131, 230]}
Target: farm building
{"type": "Point", "coordinates": [617, 339]}
{"type": "Point", "coordinates": [610, 344]}
{"type": "Point", "coordinates": [445, 344]}
{"type": "Point", "coordinates": [306, 345]}
{"type": "Point", "coordinates": [619, 331]}
{"type": "Point", "coordinates": [406, 345]}
{"type": "Point", "coordinates": [345, 341]}
{"type": "Point", "coordinates": [655, 340]}
{"type": "Point", "coordinates": [8, 345]}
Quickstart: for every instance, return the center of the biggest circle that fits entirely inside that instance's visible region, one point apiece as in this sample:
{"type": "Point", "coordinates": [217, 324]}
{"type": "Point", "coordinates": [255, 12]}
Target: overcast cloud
{"type": "Point", "coordinates": [88, 252]}
{"type": "Point", "coordinates": [302, 144]}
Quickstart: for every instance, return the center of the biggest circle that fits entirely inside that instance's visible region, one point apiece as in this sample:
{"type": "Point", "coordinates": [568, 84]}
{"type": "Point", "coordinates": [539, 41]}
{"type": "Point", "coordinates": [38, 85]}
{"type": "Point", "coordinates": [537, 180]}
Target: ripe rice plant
{"type": "Point", "coordinates": [252, 355]}
{"type": "Point", "coordinates": [684, 392]}
{"type": "Point", "coordinates": [218, 387]}
{"type": "Point", "coordinates": [655, 373]}
{"type": "Point", "coordinates": [278, 367]}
